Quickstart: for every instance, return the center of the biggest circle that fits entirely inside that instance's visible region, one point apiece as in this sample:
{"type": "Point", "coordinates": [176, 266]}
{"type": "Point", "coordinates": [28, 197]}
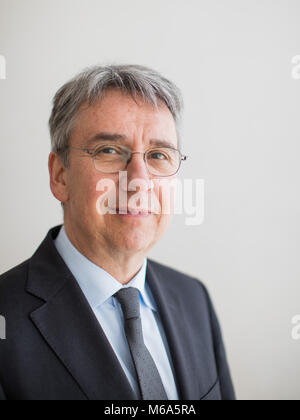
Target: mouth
{"type": "Point", "coordinates": [131, 212]}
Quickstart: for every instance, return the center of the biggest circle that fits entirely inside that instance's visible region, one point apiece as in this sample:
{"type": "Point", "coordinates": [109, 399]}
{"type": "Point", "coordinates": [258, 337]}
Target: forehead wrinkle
{"type": "Point", "coordinates": [122, 139]}
{"type": "Point", "coordinates": [133, 123]}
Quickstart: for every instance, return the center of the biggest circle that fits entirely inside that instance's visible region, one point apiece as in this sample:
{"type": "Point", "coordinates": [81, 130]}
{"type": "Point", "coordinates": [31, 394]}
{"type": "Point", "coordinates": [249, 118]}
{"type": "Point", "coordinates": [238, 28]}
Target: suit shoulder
{"type": "Point", "coordinates": [14, 279]}
{"type": "Point", "coordinates": [178, 278]}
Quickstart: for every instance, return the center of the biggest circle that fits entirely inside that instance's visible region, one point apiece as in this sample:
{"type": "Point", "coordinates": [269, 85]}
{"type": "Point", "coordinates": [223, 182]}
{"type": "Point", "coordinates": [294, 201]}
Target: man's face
{"type": "Point", "coordinates": [139, 124]}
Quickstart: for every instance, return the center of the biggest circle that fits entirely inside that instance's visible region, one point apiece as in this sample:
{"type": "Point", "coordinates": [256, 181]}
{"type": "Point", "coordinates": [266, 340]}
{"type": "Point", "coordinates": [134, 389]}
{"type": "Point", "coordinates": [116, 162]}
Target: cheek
{"type": "Point", "coordinates": [162, 224]}
{"type": "Point", "coordinates": [83, 188]}
{"type": "Point", "coordinates": [165, 194]}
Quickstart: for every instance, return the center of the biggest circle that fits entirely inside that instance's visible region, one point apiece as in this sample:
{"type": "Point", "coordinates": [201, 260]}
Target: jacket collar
{"type": "Point", "coordinates": [48, 272]}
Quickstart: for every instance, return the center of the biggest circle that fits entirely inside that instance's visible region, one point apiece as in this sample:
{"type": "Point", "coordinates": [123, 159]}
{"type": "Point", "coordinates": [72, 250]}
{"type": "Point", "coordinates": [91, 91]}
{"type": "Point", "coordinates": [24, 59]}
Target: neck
{"type": "Point", "coordinates": [120, 264]}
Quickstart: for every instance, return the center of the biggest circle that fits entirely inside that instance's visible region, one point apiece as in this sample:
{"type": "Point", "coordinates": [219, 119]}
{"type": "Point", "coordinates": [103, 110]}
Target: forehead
{"type": "Point", "coordinates": [118, 112]}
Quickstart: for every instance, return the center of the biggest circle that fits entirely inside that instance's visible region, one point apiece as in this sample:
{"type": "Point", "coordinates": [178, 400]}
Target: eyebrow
{"type": "Point", "coordinates": [119, 138]}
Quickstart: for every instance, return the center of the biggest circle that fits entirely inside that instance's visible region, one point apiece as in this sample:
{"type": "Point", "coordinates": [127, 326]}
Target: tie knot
{"type": "Point", "coordinates": [129, 299]}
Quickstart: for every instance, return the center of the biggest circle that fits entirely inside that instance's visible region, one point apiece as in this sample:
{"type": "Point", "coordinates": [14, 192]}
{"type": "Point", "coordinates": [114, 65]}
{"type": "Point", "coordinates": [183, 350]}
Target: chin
{"type": "Point", "coordinates": [134, 242]}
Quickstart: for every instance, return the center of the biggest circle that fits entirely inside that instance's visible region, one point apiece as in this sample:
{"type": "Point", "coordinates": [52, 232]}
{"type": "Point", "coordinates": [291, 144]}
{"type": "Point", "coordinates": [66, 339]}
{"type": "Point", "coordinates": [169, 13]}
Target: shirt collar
{"type": "Point", "coordinates": [97, 284]}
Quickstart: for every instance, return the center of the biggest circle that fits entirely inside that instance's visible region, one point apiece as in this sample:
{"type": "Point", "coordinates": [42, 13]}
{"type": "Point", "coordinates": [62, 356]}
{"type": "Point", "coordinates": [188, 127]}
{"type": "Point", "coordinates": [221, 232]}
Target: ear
{"type": "Point", "coordinates": [58, 178]}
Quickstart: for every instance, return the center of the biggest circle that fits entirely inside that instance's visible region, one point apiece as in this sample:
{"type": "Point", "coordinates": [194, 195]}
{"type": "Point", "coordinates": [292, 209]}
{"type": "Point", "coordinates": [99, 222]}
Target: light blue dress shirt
{"type": "Point", "coordinates": [99, 287]}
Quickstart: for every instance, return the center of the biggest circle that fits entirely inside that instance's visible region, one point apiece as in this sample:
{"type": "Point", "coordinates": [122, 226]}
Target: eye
{"type": "Point", "coordinates": [158, 156]}
{"type": "Point", "coordinates": [106, 150]}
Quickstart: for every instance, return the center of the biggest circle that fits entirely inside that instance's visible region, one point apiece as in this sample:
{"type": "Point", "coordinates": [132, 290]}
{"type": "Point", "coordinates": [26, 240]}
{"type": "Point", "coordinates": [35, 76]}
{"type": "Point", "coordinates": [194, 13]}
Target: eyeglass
{"type": "Point", "coordinates": [160, 161]}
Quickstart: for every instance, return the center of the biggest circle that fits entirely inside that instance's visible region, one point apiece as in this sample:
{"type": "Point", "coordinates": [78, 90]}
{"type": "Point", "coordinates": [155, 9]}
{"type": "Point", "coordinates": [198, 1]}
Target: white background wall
{"type": "Point", "coordinates": [232, 60]}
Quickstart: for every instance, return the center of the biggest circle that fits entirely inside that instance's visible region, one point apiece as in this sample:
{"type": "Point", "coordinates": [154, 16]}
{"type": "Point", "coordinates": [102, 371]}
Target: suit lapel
{"type": "Point", "coordinates": [172, 316]}
{"type": "Point", "coordinates": [71, 329]}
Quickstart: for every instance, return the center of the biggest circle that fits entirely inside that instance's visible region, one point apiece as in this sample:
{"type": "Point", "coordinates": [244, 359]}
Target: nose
{"type": "Point", "coordinates": [137, 169]}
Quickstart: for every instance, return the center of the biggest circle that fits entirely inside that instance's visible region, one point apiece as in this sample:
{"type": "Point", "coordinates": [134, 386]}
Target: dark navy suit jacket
{"type": "Point", "coordinates": [55, 348]}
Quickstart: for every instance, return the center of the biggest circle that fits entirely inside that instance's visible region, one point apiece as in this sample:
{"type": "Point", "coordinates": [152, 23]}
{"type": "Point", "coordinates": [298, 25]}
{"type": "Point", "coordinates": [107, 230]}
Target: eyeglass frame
{"type": "Point", "coordinates": [91, 153]}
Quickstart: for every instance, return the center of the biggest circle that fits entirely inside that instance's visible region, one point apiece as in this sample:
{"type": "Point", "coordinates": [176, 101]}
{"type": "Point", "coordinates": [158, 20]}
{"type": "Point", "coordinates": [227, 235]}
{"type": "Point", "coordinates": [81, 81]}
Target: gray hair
{"type": "Point", "coordinates": [89, 86]}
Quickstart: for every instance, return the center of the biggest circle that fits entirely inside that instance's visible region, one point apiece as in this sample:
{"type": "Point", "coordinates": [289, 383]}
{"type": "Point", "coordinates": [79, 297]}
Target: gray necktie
{"type": "Point", "coordinates": [150, 383]}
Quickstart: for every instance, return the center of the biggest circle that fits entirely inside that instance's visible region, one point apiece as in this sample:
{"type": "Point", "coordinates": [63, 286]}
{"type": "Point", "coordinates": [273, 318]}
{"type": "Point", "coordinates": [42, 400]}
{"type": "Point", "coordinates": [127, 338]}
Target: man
{"type": "Point", "coordinates": [89, 316]}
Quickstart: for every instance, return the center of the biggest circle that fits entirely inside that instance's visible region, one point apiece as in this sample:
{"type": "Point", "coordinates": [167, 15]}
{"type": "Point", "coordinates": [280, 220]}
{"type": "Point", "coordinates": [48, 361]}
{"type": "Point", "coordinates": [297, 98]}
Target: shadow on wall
{"type": "Point", "coordinates": [2, 67]}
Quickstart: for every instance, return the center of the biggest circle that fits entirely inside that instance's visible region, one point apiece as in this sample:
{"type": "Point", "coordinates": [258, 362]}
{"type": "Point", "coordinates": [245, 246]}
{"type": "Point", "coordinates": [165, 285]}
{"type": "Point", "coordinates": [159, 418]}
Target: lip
{"type": "Point", "coordinates": [137, 216]}
{"type": "Point", "coordinates": [133, 212]}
